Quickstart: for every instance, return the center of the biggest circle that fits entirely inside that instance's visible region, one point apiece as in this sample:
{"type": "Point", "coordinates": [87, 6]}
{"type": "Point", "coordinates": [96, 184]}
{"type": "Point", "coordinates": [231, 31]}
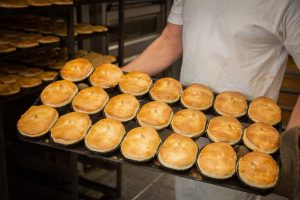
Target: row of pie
{"type": "Point", "coordinates": [27, 3]}
{"type": "Point", "coordinates": [216, 160]}
{"type": "Point", "coordinates": [159, 115]}
{"type": "Point", "coordinates": [24, 40]}
{"type": "Point", "coordinates": [169, 90]}
{"type": "Point", "coordinates": [12, 83]}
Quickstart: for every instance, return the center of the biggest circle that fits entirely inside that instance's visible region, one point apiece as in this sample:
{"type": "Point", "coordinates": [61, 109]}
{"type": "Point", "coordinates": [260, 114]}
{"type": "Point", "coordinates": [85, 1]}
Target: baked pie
{"type": "Point", "coordinates": [136, 83]}
{"type": "Point", "coordinates": [188, 122]}
{"type": "Point", "coordinates": [37, 121]}
{"type": "Point", "coordinates": [167, 90]}
{"type": "Point", "coordinates": [197, 97]}
{"type": "Point", "coordinates": [230, 103]}
{"type": "Point", "coordinates": [58, 65]}
{"type": "Point", "coordinates": [90, 100]}
{"type": "Point", "coordinates": [62, 2]}
{"type": "Point", "coordinates": [99, 28]}
{"type": "Point", "coordinates": [9, 89]}
{"type": "Point", "coordinates": [258, 170]}
{"type": "Point", "coordinates": [59, 93]}
{"type": "Point", "coordinates": [225, 129]}
{"type": "Point", "coordinates": [217, 160]}
{"type": "Point", "coordinates": [9, 78]}
{"type": "Point", "coordinates": [48, 39]}
{"type": "Point", "coordinates": [77, 70]}
{"type": "Point", "coordinates": [178, 152]}
{"type": "Point", "coordinates": [106, 76]}
{"type": "Point", "coordinates": [84, 28]}
{"type": "Point", "coordinates": [140, 144]}
{"type": "Point", "coordinates": [39, 2]}
{"type": "Point", "coordinates": [105, 136]}
{"type": "Point", "coordinates": [122, 107]}
{"type": "Point", "coordinates": [264, 109]}
{"type": "Point", "coordinates": [156, 114]}
{"type": "Point", "coordinates": [29, 82]}
{"type": "Point", "coordinates": [30, 72]}
{"type": "Point", "coordinates": [48, 75]}
{"type": "Point", "coordinates": [25, 43]}
{"type": "Point", "coordinates": [7, 48]}
{"type": "Point", "coordinates": [261, 137]}
{"type": "Point", "coordinates": [70, 128]}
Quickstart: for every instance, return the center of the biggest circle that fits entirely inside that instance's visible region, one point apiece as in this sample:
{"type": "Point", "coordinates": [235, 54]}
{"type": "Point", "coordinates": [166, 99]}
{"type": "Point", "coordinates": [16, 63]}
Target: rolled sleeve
{"type": "Point", "coordinates": [175, 16]}
{"type": "Point", "coordinates": [292, 31]}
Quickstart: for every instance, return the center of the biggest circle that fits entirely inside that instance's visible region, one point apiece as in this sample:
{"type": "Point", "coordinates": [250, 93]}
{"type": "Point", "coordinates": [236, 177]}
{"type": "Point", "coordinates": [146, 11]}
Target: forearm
{"type": "Point", "coordinates": [164, 51]}
{"type": "Point", "coordinates": [295, 117]}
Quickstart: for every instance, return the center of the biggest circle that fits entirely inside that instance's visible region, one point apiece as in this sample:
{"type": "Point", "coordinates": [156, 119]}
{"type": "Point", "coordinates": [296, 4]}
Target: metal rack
{"type": "Point", "coordinates": [68, 13]}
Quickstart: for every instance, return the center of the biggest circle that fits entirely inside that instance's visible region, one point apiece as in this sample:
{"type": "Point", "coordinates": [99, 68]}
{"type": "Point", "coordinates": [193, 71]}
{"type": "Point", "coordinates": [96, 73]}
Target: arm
{"type": "Point", "coordinates": [295, 117]}
{"type": "Point", "coordinates": [164, 51]}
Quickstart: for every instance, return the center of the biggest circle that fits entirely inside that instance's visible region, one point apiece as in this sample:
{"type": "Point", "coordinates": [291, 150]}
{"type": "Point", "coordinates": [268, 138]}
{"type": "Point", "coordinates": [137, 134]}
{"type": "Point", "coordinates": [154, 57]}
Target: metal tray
{"type": "Point", "coordinates": [154, 164]}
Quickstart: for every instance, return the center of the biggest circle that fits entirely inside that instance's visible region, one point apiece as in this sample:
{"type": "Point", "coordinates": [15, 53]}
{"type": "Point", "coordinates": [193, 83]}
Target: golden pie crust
{"type": "Point", "coordinates": [188, 122]}
{"type": "Point", "coordinates": [258, 170]}
{"type": "Point", "coordinates": [90, 100]}
{"type": "Point", "coordinates": [230, 103]}
{"type": "Point", "coordinates": [77, 70]}
{"type": "Point", "coordinates": [99, 28]}
{"type": "Point", "coordinates": [29, 82]}
{"type": "Point", "coordinates": [48, 39]}
{"type": "Point", "coordinates": [217, 160]}
{"type": "Point", "coordinates": [48, 75]}
{"type": "Point", "coordinates": [37, 121]}
{"type": "Point", "coordinates": [264, 109]}
{"type": "Point", "coordinates": [156, 114]}
{"type": "Point", "coordinates": [13, 4]}
{"type": "Point", "coordinates": [39, 2]}
{"type": "Point", "coordinates": [106, 76]}
{"type": "Point", "coordinates": [140, 144]}
{"type": "Point", "coordinates": [30, 72]}
{"type": "Point", "coordinates": [7, 48]}
{"type": "Point", "coordinates": [261, 137]}
{"type": "Point", "coordinates": [9, 78]}
{"type": "Point", "coordinates": [197, 97]}
{"type": "Point", "coordinates": [136, 83]}
{"type": "Point", "coordinates": [71, 128]}
{"type": "Point", "coordinates": [105, 136]}
{"type": "Point", "coordinates": [59, 93]}
{"type": "Point", "coordinates": [122, 107]}
{"type": "Point", "coordinates": [167, 90]}
{"type": "Point", "coordinates": [178, 152]}
{"type": "Point", "coordinates": [84, 28]}
{"type": "Point", "coordinates": [25, 43]}
{"type": "Point", "coordinates": [9, 89]}
{"type": "Point", "coordinates": [62, 2]}
{"type": "Point", "coordinates": [225, 129]}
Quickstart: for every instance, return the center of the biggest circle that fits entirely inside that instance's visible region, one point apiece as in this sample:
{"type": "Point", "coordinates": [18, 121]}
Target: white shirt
{"type": "Point", "coordinates": [239, 45]}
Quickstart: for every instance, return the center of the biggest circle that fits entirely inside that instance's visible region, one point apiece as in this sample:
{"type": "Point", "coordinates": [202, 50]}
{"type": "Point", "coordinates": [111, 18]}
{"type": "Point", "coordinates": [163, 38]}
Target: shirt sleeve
{"type": "Point", "coordinates": [292, 31]}
{"type": "Point", "coordinates": [175, 16]}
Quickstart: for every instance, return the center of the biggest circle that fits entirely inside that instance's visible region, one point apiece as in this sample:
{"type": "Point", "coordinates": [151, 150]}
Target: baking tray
{"type": "Point", "coordinates": [154, 164]}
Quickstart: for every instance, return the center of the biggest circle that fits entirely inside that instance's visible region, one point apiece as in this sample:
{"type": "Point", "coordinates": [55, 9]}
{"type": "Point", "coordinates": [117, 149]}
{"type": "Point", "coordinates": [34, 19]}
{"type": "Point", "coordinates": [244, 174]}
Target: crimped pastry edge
{"type": "Point", "coordinates": [251, 146]}
{"type": "Point", "coordinates": [156, 127]}
{"type": "Point", "coordinates": [93, 112]}
{"type": "Point", "coordinates": [253, 185]}
{"type": "Point", "coordinates": [79, 79]}
{"type": "Point", "coordinates": [63, 142]}
{"type": "Point", "coordinates": [61, 104]}
{"type": "Point", "coordinates": [44, 132]}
